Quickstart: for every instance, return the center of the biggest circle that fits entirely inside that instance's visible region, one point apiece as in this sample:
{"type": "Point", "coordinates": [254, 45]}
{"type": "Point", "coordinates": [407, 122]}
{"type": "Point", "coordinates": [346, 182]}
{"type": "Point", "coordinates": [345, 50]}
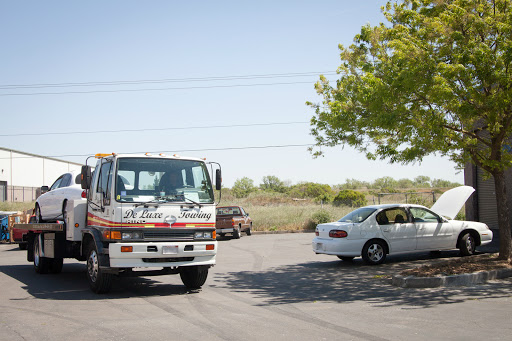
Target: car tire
{"type": "Point", "coordinates": [467, 245]}
{"type": "Point", "coordinates": [374, 252]}
{"type": "Point", "coordinates": [64, 209]}
{"type": "Point", "coordinates": [99, 281]}
{"type": "Point", "coordinates": [41, 264]}
{"type": "Point", "coordinates": [346, 258]}
{"type": "Point", "coordinates": [39, 218]}
{"type": "Point", "coordinates": [193, 277]}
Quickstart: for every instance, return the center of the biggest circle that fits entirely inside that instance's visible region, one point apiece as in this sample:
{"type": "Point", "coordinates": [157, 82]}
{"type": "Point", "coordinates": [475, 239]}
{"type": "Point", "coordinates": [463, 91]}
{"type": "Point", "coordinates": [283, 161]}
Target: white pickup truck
{"type": "Point", "coordinates": [141, 212]}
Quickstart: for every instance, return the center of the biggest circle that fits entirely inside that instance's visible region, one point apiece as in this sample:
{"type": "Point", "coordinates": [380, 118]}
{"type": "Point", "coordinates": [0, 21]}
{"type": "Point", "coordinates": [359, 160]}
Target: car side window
{"type": "Point", "coordinates": [56, 184]}
{"type": "Point", "coordinates": [422, 215]}
{"type": "Point", "coordinates": [66, 181]}
{"type": "Point", "coordinates": [396, 215]}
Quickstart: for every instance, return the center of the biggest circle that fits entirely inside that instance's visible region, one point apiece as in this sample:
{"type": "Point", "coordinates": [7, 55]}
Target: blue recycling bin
{"type": "Point", "coordinates": [4, 229]}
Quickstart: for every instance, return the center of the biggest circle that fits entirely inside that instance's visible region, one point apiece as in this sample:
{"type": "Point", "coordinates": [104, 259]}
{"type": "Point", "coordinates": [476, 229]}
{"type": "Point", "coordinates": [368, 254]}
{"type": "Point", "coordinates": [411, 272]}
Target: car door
{"type": "Point", "coordinates": [397, 229]}
{"type": "Point", "coordinates": [49, 206]}
{"type": "Point", "coordinates": [245, 216]}
{"type": "Point", "coordinates": [433, 232]}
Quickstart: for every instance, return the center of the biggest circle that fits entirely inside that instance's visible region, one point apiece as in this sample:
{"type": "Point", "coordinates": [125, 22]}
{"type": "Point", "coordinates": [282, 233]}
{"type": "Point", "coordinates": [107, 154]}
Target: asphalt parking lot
{"type": "Point", "coordinates": [263, 287]}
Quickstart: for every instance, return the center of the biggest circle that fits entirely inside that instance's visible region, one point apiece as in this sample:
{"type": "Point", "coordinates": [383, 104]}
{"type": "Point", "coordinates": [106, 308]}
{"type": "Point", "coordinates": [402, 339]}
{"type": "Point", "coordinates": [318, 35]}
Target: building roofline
{"type": "Point", "coordinates": [39, 156]}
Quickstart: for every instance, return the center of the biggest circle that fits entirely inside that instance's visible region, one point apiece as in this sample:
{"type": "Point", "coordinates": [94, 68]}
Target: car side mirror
{"type": "Point", "coordinates": [85, 177]}
{"type": "Point", "coordinates": [218, 180]}
{"type": "Point", "coordinates": [44, 189]}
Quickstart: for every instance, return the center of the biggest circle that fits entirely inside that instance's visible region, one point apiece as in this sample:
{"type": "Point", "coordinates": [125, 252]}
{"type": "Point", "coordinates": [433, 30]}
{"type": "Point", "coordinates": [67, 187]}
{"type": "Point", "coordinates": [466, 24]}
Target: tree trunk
{"type": "Point", "coordinates": [503, 216]}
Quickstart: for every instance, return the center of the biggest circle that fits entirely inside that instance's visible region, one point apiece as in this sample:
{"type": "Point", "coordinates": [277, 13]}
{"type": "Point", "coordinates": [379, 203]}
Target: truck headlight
{"type": "Point", "coordinates": [132, 235]}
{"type": "Point", "coordinates": [203, 235]}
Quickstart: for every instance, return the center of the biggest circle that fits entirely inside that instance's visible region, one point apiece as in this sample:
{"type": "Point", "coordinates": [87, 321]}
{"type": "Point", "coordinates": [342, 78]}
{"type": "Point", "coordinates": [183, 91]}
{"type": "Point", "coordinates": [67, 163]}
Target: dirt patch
{"type": "Point", "coordinates": [461, 265]}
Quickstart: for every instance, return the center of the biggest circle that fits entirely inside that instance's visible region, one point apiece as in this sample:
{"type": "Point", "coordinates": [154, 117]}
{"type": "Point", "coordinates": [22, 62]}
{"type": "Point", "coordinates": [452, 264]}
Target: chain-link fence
{"type": "Point", "coordinates": [21, 194]}
{"type": "Point", "coordinates": [427, 198]}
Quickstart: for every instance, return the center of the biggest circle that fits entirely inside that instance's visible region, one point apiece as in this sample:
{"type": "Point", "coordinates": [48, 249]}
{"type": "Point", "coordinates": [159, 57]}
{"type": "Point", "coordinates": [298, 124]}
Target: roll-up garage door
{"type": "Point", "coordinates": [487, 210]}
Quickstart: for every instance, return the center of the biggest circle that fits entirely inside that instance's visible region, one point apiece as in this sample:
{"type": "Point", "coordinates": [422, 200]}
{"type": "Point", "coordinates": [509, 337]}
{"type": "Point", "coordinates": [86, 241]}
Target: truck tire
{"type": "Point", "coordinates": [41, 264]}
{"type": "Point", "coordinates": [99, 281]}
{"type": "Point", "coordinates": [237, 233]}
{"type": "Point", "coordinates": [56, 265]}
{"type": "Point", "coordinates": [193, 277]}
{"type": "Point", "coordinates": [249, 230]}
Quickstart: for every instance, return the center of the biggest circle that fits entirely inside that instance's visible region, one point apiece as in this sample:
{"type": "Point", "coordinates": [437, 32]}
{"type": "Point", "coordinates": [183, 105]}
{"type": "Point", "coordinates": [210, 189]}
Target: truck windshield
{"type": "Point", "coordinates": [162, 180]}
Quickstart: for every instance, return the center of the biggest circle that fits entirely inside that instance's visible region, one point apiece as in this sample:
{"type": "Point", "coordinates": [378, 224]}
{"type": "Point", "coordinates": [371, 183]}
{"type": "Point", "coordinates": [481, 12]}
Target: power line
{"type": "Point", "coordinates": [165, 80]}
{"type": "Point", "coordinates": [152, 129]}
{"type": "Point", "coordinates": [172, 152]}
{"type": "Point", "coordinates": [152, 89]}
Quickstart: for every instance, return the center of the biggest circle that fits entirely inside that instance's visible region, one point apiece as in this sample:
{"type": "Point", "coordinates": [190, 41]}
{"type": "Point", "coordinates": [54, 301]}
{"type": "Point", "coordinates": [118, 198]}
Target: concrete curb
{"type": "Point", "coordinates": [450, 281]}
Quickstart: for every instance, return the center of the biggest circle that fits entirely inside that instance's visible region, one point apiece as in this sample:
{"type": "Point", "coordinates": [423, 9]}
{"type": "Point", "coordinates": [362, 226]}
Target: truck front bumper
{"type": "Point", "coordinates": [162, 254]}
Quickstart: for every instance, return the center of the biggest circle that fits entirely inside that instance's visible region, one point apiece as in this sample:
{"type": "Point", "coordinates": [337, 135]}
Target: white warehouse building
{"type": "Point", "coordinates": [22, 174]}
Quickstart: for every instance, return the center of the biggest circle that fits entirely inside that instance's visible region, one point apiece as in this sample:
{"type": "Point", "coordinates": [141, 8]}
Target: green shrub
{"type": "Point", "coordinates": [319, 217]}
{"type": "Point", "coordinates": [348, 197]}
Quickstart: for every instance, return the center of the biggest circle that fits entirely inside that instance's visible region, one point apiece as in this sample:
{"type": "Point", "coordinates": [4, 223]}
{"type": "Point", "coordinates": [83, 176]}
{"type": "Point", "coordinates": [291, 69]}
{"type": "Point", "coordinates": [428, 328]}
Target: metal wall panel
{"type": "Point", "coordinates": [488, 212]}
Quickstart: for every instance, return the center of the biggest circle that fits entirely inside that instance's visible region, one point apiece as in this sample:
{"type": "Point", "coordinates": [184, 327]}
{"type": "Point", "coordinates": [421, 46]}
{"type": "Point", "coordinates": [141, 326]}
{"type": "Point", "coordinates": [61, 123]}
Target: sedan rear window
{"type": "Point", "coordinates": [357, 216]}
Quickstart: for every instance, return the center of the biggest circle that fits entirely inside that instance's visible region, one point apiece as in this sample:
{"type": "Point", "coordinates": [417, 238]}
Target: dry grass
{"type": "Point", "coordinates": [16, 206]}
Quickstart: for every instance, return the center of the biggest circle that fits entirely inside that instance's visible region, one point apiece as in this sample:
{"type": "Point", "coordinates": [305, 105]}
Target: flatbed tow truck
{"type": "Point", "coordinates": [142, 212]}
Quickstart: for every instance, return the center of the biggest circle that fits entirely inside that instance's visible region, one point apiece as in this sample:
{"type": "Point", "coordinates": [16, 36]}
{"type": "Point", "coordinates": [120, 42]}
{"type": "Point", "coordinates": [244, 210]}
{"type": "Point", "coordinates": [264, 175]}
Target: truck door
{"type": "Point", "coordinates": [101, 193]}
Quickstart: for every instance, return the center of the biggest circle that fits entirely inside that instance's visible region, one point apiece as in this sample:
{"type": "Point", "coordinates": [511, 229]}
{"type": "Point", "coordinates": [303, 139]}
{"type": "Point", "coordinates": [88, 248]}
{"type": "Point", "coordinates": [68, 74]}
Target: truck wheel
{"type": "Point", "coordinates": [249, 230]}
{"type": "Point", "coordinates": [194, 276]}
{"type": "Point", "coordinates": [99, 281]}
{"type": "Point", "coordinates": [56, 265]}
{"type": "Point", "coordinates": [41, 264]}
{"type": "Point", "coordinates": [236, 233]}
{"type": "Point", "coordinates": [22, 246]}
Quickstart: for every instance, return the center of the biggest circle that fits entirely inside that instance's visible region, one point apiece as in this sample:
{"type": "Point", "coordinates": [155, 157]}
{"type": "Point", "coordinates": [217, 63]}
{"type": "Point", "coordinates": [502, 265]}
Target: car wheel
{"type": "Point", "coordinates": [236, 233]}
{"type": "Point", "coordinates": [39, 218]}
{"type": "Point", "coordinates": [374, 252]}
{"type": "Point", "coordinates": [193, 277]}
{"type": "Point", "coordinates": [99, 281]}
{"type": "Point", "coordinates": [64, 209]}
{"type": "Point", "coordinates": [467, 245]}
{"type": "Point", "coordinates": [346, 258]}
{"type": "Point", "coordinates": [41, 264]}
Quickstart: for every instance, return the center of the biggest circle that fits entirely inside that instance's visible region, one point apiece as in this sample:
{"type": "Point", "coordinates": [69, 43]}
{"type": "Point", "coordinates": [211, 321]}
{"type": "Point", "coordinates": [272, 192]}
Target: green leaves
{"type": "Point", "coordinates": [432, 80]}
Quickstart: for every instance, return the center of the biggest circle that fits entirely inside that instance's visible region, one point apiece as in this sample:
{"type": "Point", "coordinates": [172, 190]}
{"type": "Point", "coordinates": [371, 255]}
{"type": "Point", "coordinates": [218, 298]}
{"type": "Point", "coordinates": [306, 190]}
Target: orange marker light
{"type": "Point", "coordinates": [126, 248]}
{"type": "Point", "coordinates": [210, 247]}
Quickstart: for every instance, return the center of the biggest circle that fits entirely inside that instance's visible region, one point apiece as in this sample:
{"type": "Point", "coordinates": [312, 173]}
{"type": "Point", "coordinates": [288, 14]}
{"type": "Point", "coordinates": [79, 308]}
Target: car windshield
{"type": "Point", "coordinates": [162, 180]}
{"type": "Point", "coordinates": [357, 216]}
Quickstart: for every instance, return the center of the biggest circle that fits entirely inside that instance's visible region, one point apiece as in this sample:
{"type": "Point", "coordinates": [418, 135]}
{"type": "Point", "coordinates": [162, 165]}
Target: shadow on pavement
{"type": "Point", "coordinates": [344, 282]}
{"type": "Point", "coordinates": [71, 284]}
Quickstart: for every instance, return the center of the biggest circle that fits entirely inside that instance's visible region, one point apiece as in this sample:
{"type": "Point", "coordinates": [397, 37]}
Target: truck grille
{"type": "Point", "coordinates": [168, 235]}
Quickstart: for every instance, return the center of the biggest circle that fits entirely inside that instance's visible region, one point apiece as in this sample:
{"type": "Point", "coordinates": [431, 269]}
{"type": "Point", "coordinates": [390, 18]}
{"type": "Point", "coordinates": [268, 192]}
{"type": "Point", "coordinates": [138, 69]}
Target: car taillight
{"type": "Point", "coordinates": [337, 234]}
{"type": "Point", "coordinates": [317, 233]}
{"type": "Point", "coordinates": [84, 194]}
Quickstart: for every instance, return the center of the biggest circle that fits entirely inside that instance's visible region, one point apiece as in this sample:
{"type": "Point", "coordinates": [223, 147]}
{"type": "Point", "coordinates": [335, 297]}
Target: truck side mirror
{"type": "Point", "coordinates": [218, 180]}
{"type": "Point", "coordinates": [85, 177]}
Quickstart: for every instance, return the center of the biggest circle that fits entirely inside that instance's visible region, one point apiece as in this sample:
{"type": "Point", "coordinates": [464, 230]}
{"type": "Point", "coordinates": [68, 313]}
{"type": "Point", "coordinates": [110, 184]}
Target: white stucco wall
{"type": "Point", "coordinates": [27, 170]}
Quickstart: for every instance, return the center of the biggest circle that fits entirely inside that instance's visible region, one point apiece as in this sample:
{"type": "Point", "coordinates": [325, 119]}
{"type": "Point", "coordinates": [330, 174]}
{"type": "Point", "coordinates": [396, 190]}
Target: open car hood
{"type": "Point", "coordinates": [451, 201]}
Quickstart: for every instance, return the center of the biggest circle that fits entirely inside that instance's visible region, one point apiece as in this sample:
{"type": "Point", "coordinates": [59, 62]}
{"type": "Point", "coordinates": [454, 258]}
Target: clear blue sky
{"type": "Point", "coordinates": [190, 42]}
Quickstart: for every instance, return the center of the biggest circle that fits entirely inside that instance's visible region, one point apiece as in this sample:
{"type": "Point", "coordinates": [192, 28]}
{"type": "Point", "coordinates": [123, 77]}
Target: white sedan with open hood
{"type": "Point", "coordinates": [376, 231]}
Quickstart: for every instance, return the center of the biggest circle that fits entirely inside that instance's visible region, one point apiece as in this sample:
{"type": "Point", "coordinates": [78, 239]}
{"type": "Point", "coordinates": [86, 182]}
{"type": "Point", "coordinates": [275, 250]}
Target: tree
{"type": "Point", "coordinates": [385, 182]}
{"type": "Point", "coordinates": [273, 184]}
{"type": "Point", "coordinates": [311, 190]}
{"type": "Point", "coordinates": [437, 79]}
{"type": "Point", "coordinates": [243, 187]}
{"type": "Point", "coordinates": [422, 181]}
